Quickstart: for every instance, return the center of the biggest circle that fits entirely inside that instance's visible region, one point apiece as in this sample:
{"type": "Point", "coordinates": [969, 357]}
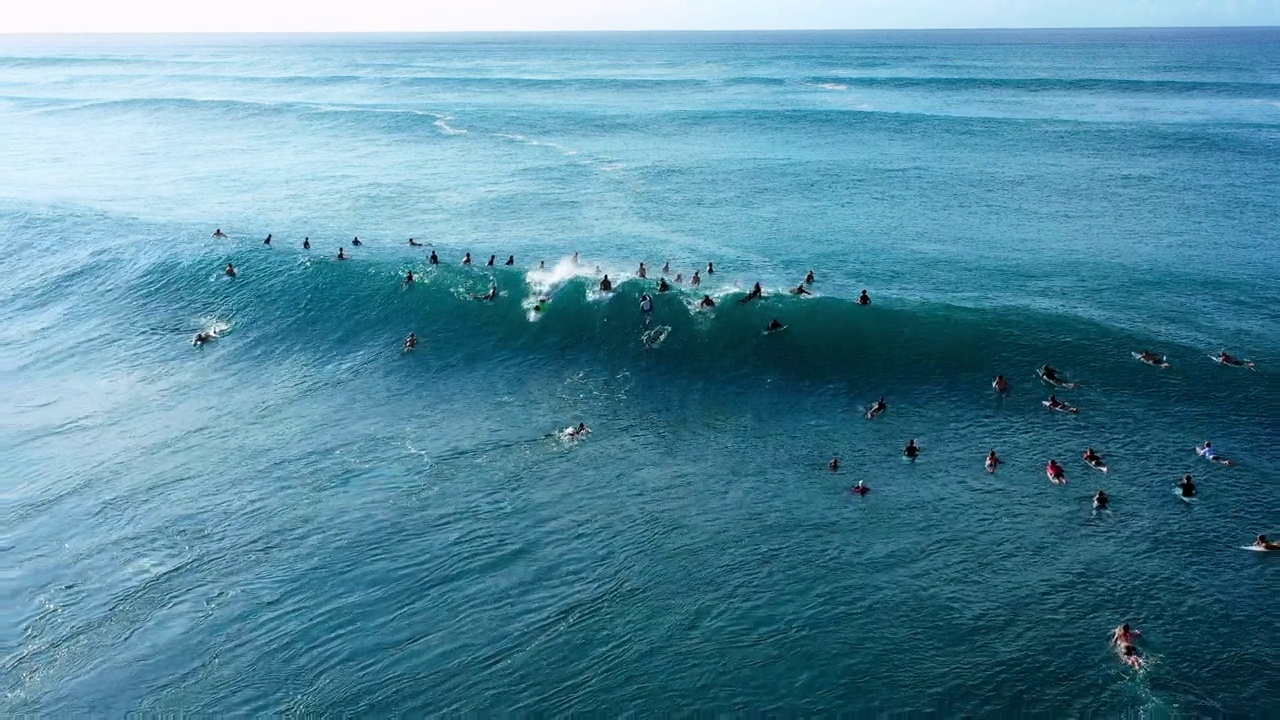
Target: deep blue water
{"type": "Point", "coordinates": [300, 517]}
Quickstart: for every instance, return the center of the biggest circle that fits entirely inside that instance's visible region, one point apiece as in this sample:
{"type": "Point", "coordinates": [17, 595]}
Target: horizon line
{"type": "Point", "coordinates": [121, 33]}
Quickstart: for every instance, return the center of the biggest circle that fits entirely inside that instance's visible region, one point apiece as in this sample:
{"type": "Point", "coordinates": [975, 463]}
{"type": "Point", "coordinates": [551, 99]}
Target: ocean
{"type": "Point", "coordinates": [301, 517]}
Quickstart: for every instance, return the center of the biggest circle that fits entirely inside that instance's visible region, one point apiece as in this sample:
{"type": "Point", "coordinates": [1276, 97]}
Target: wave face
{"type": "Point", "coordinates": [379, 531]}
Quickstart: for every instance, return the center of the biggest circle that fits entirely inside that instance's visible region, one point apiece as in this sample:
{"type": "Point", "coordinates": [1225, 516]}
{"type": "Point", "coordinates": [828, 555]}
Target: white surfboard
{"type": "Point", "coordinates": [1162, 364]}
{"type": "Point", "coordinates": [1178, 491]}
{"type": "Point", "coordinates": [1065, 408]}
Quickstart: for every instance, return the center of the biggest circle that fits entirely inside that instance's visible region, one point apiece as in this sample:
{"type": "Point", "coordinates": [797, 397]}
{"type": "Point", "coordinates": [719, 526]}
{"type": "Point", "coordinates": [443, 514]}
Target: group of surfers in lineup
{"type": "Point", "coordinates": [1123, 638]}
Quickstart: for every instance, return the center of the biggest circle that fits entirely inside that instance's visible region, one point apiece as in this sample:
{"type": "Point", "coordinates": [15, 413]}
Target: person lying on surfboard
{"type": "Point", "coordinates": [1094, 459]}
{"type": "Point", "coordinates": [1151, 358]}
{"type": "Point", "coordinates": [800, 290]}
{"type": "Point", "coordinates": [1226, 359]}
{"type": "Point", "coordinates": [774, 326]}
{"type": "Point", "coordinates": [1054, 403]}
{"type": "Point", "coordinates": [1208, 453]}
{"type": "Point", "coordinates": [1265, 544]}
{"type": "Point", "coordinates": [1055, 472]}
{"type": "Point", "coordinates": [877, 408]}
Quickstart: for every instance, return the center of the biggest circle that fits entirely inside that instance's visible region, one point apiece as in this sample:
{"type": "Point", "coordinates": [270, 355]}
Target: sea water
{"type": "Point", "coordinates": [300, 516]}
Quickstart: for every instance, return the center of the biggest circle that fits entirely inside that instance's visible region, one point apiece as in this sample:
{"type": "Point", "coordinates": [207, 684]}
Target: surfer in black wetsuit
{"type": "Point", "coordinates": [341, 255]}
{"type": "Point", "coordinates": [606, 285]}
{"type": "Point", "coordinates": [355, 242]}
{"type": "Point", "coordinates": [435, 259]}
{"type": "Point", "coordinates": [1100, 500]}
{"type": "Point", "coordinates": [511, 260]}
{"type": "Point", "coordinates": [666, 268]}
{"type": "Point", "coordinates": [408, 278]}
{"type": "Point", "coordinates": [879, 407]}
{"type": "Point", "coordinates": [268, 240]}
{"type": "Point", "coordinates": [414, 243]}
{"type": "Point", "coordinates": [756, 292]}
{"type": "Point", "coordinates": [230, 271]}
{"type": "Point", "coordinates": [864, 298]}
{"type": "Point", "coordinates": [306, 243]}
{"type": "Point", "coordinates": [774, 326]}
{"type": "Point", "coordinates": [711, 268]}
{"type": "Point", "coordinates": [800, 290]}
{"type": "Point", "coordinates": [1049, 373]}
{"type": "Point", "coordinates": [1187, 487]}
{"type": "Point", "coordinates": [491, 259]}
{"type": "Point", "coordinates": [808, 279]}
{"type": "Point", "coordinates": [911, 450]}
{"type": "Point", "coordinates": [489, 296]}
{"type": "Point", "coordinates": [204, 337]}
{"type": "Point", "coordinates": [219, 234]}
{"type": "Point", "coordinates": [466, 260]}
{"type": "Point", "coordinates": [707, 302]}
{"type": "Point", "coordinates": [662, 285]}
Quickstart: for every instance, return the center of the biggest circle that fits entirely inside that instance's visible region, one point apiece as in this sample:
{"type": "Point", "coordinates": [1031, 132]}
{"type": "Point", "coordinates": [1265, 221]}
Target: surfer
{"type": "Point", "coordinates": [1225, 358]}
{"type": "Point", "coordinates": [606, 285]}
{"type": "Point", "coordinates": [489, 296]}
{"type": "Point", "coordinates": [491, 259]}
{"type": "Point", "coordinates": [1055, 472]}
{"type": "Point", "coordinates": [434, 259]}
{"type": "Point", "coordinates": [992, 461]}
{"type": "Point", "coordinates": [1187, 487]}
{"type": "Point", "coordinates": [306, 243]}
{"type": "Point", "coordinates": [1053, 403]}
{"type": "Point", "coordinates": [579, 432]}
{"type": "Point", "coordinates": [1208, 453]}
{"type": "Point", "coordinates": [912, 449]}
{"type": "Point", "coordinates": [800, 290]}
{"type": "Point", "coordinates": [808, 279]}
{"type": "Point", "coordinates": [1095, 459]}
{"type": "Point", "coordinates": [756, 292]}
{"type": "Point", "coordinates": [877, 408]}
{"type": "Point", "coordinates": [230, 271]}
{"type": "Point", "coordinates": [219, 234]}
{"type": "Point", "coordinates": [355, 242]}
{"type": "Point", "coordinates": [860, 489]}
{"type": "Point", "coordinates": [410, 342]}
{"type": "Point", "coordinates": [408, 278]}
{"type": "Point", "coordinates": [414, 243]}
{"type": "Point", "coordinates": [466, 259]}
{"type": "Point", "coordinates": [1000, 384]}
{"type": "Point", "coordinates": [646, 307]}
{"type": "Point", "coordinates": [666, 267]}
{"type": "Point", "coordinates": [542, 264]}
{"type": "Point", "coordinates": [679, 279]}
{"type": "Point", "coordinates": [1100, 500]}
{"type": "Point", "coordinates": [707, 302]}
{"type": "Point", "coordinates": [1124, 635]}
{"type": "Point", "coordinates": [1123, 638]}
{"type": "Point", "coordinates": [864, 298]}
{"type": "Point", "coordinates": [268, 240]}
{"type": "Point", "coordinates": [341, 254]}
{"type": "Point", "coordinates": [1265, 544]}
{"type": "Point", "coordinates": [204, 336]}
{"type": "Point", "coordinates": [774, 326]}
{"type": "Point", "coordinates": [711, 268]}
{"type": "Point", "coordinates": [696, 280]}
{"type": "Point", "coordinates": [1151, 358]}
{"type": "Point", "coordinates": [575, 259]}
{"type": "Point", "coordinates": [642, 273]}
{"type": "Point", "coordinates": [663, 286]}
{"type": "Point", "coordinates": [511, 260]}
{"type": "Point", "coordinates": [834, 465]}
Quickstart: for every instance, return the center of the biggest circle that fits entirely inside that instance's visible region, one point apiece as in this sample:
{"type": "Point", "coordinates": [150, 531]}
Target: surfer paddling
{"type": "Point", "coordinates": [203, 337]}
{"type": "Point", "coordinates": [1057, 474]}
{"type": "Point", "coordinates": [219, 234]}
{"type": "Point", "coordinates": [1264, 544]}
{"type": "Point", "coordinates": [1053, 403]}
{"type": "Point", "coordinates": [1124, 638]}
{"type": "Point", "coordinates": [1225, 358]}
{"type": "Point", "coordinates": [1207, 452]}
{"type": "Point", "coordinates": [876, 409]}
{"type": "Point", "coordinates": [230, 271]}
{"type": "Point", "coordinates": [1095, 459]}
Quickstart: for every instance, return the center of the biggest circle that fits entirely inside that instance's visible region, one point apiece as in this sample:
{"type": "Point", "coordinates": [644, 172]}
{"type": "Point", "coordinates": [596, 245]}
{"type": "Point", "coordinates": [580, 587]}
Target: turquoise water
{"type": "Point", "coordinates": [300, 517]}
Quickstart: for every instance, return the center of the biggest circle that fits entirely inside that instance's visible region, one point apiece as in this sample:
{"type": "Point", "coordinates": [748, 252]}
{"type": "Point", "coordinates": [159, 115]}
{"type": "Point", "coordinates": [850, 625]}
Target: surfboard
{"type": "Point", "coordinates": [991, 467]}
{"type": "Point", "coordinates": [1178, 491]}
{"type": "Point", "coordinates": [1255, 548]}
{"type": "Point", "coordinates": [1100, 465]}
{"type": "Point", "coordinates": [1056, 480]}
{"type": "Point", "coordinates": [1061, 408]}
{"type": "Point", "coordinates": [1162, 364]}
{"type": "Point", "coordinates": [873, 413]}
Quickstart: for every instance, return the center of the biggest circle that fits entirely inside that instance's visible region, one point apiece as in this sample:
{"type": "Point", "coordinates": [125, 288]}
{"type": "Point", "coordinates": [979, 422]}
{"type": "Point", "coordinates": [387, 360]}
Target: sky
{"type": "Point", "coordinates": [57, 16]}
